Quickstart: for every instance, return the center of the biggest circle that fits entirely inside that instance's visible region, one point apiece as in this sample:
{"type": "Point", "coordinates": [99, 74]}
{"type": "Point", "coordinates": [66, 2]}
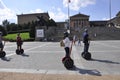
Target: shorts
{"type": "Point", "coordinates": [19, 43]}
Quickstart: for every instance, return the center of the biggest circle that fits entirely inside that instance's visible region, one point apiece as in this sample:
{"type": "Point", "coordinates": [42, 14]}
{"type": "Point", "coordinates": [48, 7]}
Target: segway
{"type": "Point", "coordinates": [68, 62]}
{"type": "Point", "coordinates": [86, 55]}
{"type": "Point", "coordinates": [19, 51]}
{"type": "Point", "coordinates": [2, 53]}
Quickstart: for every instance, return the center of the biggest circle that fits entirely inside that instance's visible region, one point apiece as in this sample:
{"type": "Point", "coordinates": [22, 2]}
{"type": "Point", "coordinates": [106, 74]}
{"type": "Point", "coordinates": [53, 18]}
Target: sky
{"type": "Point", "coordinates": [58, 9]}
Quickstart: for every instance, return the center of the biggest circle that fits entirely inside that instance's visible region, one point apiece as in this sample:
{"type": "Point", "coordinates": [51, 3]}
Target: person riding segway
{"type": "Point", "coordinates": [85, 54]}
{"type": "Point", "coordinates": [2, 53]}
{"type": "Point", "coordinates": [19, 41]}
{"type": "Point", "coordinates": [67, 60]}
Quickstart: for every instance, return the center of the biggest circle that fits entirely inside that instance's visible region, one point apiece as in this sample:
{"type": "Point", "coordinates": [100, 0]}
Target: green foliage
{"type": "Point", "coordinates": [51, 22]}
{"type": "Point", "coordinates": [32, 30]}
{"type": "Point", "coordinates": [5, 23]}
{"type": "Point", "coordinates": [2, 29]}
{"type": "Point", "coordinates": [24, 36]}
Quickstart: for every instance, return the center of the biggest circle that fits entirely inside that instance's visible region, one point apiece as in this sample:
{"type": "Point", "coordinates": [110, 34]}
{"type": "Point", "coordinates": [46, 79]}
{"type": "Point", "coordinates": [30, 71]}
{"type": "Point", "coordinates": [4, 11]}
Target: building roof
{"type": "Point", "coordinates": [80, 15]}
{"type": "Point", "coordinates": [118, 14]}
{"type": "Point", "coordinates": [34, 14]}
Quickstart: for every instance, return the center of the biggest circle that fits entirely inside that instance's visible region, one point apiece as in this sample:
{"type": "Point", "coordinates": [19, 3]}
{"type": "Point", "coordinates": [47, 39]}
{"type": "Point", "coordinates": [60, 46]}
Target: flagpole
{"type": "Point", "coordinates": [68, 17]}
{"type": "Point", "coordinates": [110, 11]}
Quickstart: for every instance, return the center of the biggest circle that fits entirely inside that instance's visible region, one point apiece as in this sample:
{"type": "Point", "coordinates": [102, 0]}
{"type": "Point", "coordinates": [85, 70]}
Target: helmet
{"type": "Point", "coordinates": [86, 30]}
{"type": "Point", "coordinates": [66, 34]}
{"type": "Point", "coordinates": [18, 34]}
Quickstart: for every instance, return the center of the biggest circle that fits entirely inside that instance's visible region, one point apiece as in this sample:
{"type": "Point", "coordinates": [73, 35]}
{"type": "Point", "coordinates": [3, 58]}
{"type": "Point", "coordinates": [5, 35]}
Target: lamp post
{"type": "Point", "coordinates": [110, 13]}
{"type": "Point", "coordinates": [68, 30]}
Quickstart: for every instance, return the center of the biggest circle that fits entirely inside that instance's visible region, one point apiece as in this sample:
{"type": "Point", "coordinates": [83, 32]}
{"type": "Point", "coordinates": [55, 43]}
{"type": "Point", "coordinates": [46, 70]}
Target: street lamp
{"type": "Point", "coordinates": [68, 18]}
{"type": "Point", "coordinates": [110, 13]}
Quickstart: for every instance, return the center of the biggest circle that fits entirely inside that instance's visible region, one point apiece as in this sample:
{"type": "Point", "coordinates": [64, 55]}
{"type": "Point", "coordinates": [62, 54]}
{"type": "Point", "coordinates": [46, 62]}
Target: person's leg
{"type": "Point", "coordinates": [67, 52]}
{"type": "Point", "coordinates": [1, 46]}
{"type": "Point", "coordinates": [84, 47]}
{"type": "Point", "coordinates": [87, 47]}
{"type": "Point", "coordinates": [17, 46]}
{"type": "Point", "coordinates": [20, 47]}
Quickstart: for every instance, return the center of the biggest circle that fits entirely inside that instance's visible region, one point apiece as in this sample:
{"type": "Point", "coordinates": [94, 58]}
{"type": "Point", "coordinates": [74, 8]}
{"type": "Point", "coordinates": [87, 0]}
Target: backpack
{"type": "Point", "coordinates": [62, 43]}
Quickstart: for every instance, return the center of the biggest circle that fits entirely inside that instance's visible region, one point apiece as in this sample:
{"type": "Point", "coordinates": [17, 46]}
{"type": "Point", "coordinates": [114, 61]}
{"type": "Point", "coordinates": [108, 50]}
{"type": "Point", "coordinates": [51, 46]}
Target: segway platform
{"type": "Point", "coordinates": [86, 55]}
{"type": "Point", "coordinates": [19, 51]}
{"type": "Point", "coordinates": [68, 62]}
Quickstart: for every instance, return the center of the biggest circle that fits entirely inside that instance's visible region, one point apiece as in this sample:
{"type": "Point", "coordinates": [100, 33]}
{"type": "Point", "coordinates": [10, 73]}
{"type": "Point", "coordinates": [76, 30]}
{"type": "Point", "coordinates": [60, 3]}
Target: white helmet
{"type": "Point", "coordinates": [86, 30]}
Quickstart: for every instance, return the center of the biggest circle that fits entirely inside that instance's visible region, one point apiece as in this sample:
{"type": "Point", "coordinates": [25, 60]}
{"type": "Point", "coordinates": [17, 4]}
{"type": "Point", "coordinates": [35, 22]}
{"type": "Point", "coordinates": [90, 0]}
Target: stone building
{"type": "Point", "coordinates": [79, 20]}
{"type": "Point", "coordinates": [25, 18]}
{"type": "Point", "coordinates": [98, 23]}
{"type": "Point", "coordinates": [116, 20]}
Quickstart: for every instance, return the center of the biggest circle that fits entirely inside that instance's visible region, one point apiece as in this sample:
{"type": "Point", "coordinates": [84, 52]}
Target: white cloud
{"type": "Point", "coordinates": [58, 15]}
{"type": "Point", "coordinates": [37, 11]}
{"type": "Point", "coordinates": [6, 13]}
{"type": "Point", "coordinates": [105, 18]}
{"type": "Point", "coordinates": [54, 13]}
{"type": "Point", "coordinates": [77, 4]}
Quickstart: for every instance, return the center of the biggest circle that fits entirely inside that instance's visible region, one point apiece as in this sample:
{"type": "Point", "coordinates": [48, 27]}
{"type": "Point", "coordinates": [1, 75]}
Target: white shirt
{"type": "Point", "coordinates": [67, 42]}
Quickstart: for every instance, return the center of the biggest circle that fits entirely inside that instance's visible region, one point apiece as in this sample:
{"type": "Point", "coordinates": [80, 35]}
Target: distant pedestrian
{"type": "Point", "coordinates": [95, 35]}
{"type": "Point", "coordinates": [79, 42]}
{"type": "Point", "coordinates": [74, 39]}
{"type": "Point", "coordinates": [86, 40]}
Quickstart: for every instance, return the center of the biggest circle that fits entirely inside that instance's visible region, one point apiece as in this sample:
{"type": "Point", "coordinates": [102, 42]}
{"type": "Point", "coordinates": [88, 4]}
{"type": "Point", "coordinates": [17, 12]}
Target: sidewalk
{"type": "Point", "coordinates": [29, 76]}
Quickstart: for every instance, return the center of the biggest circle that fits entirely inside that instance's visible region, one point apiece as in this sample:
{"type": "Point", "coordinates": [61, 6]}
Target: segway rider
{"type": "Point", "coordinates": [1, 44]}
{"type": "Point", "coordinates": [19, 42]}
{"type": "Point", "coordinates": [67, 44]}
{"type": "Point", "coordinates": [86, 40]}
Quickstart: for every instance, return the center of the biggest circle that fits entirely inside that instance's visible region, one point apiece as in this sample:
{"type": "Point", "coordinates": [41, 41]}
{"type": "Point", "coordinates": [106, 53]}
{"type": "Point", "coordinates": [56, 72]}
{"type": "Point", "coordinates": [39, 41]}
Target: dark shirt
{"type": "Point", "coordinates": [85, 37]}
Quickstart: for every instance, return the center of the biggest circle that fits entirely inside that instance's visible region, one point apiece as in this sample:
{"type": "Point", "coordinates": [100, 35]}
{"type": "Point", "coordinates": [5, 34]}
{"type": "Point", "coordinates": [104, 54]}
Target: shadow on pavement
{"type": "Point", "coordinates": [105, 61]}
{"type": "Point", "coordinates": [24, 55]}
{"type": "Point", "coordinates": [86, 71]}
{"type": "Point", "coordinates": [6, 59]}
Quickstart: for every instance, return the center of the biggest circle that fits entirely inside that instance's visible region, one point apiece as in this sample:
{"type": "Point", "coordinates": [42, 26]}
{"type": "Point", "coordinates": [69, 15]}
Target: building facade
{"type": "Point", "coordinates": [26, 18]}
{"type": "Point", "coordinates": [116, 20]}
{"type": "Point", "coordinates": [79, 20]}
{"type": "Point", "coordinates": [98, 23]}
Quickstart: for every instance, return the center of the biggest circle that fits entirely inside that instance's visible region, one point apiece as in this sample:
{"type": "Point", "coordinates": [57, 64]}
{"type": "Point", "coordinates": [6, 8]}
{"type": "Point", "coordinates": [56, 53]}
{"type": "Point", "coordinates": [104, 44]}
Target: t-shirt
{"type": "Point", "coordinates": [19, 39]}
{"type": "Point", "coordinates": [85, 37]}
{"type": "Point", "coordinates": [67, 42]}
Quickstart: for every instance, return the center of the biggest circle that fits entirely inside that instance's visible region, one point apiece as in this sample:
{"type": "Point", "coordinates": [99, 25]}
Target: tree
{"type": "Point", "coordinates": [5, 24]}
{"type": "Point", "coordinates": [51, 22]}
{"type": "Point", "coordinates": [13, 27]}
{"type": "Point", "coordinates": [2, 29]}
{"type": "Point", "coordinates": [32, 29]}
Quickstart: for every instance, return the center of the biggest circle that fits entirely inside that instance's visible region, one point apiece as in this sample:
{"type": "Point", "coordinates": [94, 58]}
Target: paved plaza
{"type": "Point", "coordinates": [45, 58]}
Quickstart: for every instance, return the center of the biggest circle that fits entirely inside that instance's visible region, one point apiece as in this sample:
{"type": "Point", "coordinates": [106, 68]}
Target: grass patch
{"type": "Point", "coordinates": [24, 36]}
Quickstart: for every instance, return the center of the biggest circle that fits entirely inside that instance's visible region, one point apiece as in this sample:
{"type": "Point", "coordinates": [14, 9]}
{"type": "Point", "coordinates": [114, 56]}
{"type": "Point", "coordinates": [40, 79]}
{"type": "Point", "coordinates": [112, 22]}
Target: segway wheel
{"type": "Point", "coordinates": [82, 54]}
{"type": "Point", "coordinates": [68, 63]}
{"type": "Point", "coordinates": [21, 51]}
{"type": "Point", "coordinates": [63, 59]}
{"type": "Point", "coordinates": [2, 54]}
{"type": "Point", "coordinates": [87, 56]}
{"type": "Point", "coordinates": [17, 51]}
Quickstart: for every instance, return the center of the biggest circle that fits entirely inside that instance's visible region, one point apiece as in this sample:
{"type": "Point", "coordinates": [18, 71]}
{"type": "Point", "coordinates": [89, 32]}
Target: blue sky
{"type": "Point", "coordinates": [57, 9]}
